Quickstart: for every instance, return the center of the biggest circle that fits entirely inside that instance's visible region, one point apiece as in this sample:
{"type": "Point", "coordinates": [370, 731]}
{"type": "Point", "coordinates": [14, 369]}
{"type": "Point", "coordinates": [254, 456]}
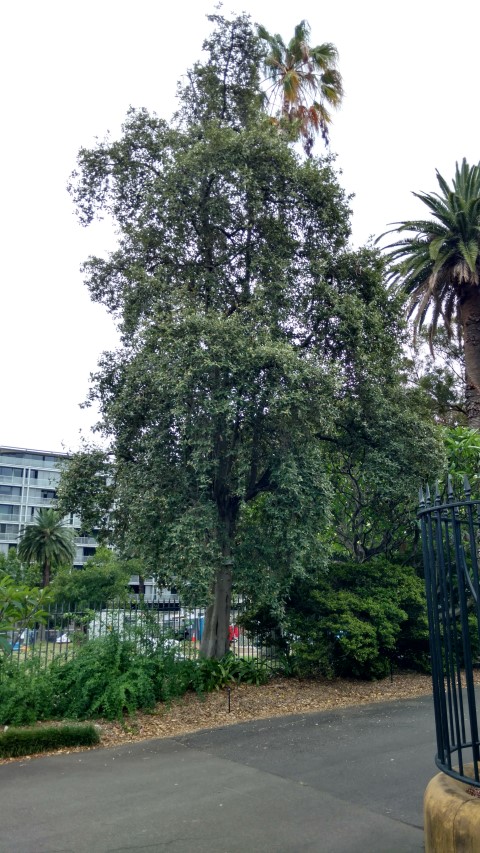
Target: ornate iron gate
{"type": "Point", "coordinates": [451, 552]}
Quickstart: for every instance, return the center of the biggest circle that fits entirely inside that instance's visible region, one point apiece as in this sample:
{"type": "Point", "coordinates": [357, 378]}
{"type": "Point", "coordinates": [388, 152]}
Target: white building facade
{"type": "Point", "coordinates": [28, 482]}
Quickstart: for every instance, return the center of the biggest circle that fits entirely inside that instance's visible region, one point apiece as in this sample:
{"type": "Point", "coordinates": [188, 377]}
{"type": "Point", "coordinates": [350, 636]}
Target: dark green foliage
{"type": "Point", "coordinates": [87, 482]}
{"type": "Point", "coordinates": [106, 678]}
{"type": "Point", "coordinates": [15, 742]}
{"type": "Point", "coordinates": [255, 411]}
{"type": "Point", "coordinates": [110, 677]}
{"type": "Point", "coordinates": [358, 620]}
{"type": "Point", "coordinates": [440, 374]}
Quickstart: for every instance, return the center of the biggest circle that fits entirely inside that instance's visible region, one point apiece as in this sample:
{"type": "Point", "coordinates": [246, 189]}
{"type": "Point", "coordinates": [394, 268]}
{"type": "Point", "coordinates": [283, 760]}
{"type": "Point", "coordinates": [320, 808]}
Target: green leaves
{"type": "Point", "coordinates": [257, 349]}
{"type": "Point", "coordinates": [48, 542]}
{"type": "Point", "coordinates": [102, 579]}
{"type": "Point", "coordinates": [463, 454]}
{"type": "Point", "coordinates": [353, 621]}
{"type": "Point", "coordinates": [20, 607]}
{"type": "Point", "coordinates": [442, 254]}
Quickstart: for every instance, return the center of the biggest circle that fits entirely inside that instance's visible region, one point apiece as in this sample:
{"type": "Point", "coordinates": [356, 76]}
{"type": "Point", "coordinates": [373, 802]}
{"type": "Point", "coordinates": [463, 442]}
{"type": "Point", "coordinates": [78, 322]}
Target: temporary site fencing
{"type": "Point", "coordinates": [150, 627]}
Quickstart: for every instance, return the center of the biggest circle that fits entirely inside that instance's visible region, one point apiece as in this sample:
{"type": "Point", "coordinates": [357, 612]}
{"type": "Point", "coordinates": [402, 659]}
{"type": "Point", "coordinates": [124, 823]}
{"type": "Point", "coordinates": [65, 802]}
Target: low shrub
{"type": "Point", "coordinates": [26, 693]}
{"type": "Point", "coordinates": [110, 677]}
{"type": "Point", "coordinates": [14, 742]}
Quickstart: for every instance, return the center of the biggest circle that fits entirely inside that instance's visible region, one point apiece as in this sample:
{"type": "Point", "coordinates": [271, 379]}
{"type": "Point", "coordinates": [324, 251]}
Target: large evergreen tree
{"type": "Point", "coordinates": [231, 282]}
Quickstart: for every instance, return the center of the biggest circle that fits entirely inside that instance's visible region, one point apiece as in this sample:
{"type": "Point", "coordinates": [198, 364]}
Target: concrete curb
{"type": "Point", "coordinates": [452, 817]}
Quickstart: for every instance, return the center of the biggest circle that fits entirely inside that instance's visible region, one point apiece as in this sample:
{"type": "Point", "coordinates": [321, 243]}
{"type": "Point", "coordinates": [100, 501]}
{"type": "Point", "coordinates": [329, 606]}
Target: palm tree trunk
{"type": "Point", "coordinates": [469, 310]}
{"type": "Point", "coordinates": [46, 573]}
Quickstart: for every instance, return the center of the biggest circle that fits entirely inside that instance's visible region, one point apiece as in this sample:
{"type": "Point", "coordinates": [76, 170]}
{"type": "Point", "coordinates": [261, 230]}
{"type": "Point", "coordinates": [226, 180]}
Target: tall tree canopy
{"type": "Point", "coordinates": [240, 307]}
{"type": "Point", "coordinates": [304, 82]}
{"type": "Point", "coordinates": [438, 267]}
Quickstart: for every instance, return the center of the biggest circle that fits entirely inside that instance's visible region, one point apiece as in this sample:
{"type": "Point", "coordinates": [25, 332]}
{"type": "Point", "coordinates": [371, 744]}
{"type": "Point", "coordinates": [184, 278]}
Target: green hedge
{"type": "Point", "coordinates": [14, 742]}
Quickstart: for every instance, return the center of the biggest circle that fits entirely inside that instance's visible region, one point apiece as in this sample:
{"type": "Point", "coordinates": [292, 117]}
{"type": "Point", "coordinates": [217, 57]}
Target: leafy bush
{"type": "Point", "coordinates": [358, 620]}
{"type": "Point", "coordinates": [15, 742]}
{"type": "Point", "coordinates": [110, 677]}
{"type": "Point", "coordinates": [26, 694]}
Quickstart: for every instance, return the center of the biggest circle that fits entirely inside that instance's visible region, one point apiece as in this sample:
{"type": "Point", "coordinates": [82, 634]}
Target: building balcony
{"type": "Point", "coordinates": [27, 461]}
{"type": "Point", "coordinates": [10, 480]}
{"type": "Point", "coordinates": [42, 483]}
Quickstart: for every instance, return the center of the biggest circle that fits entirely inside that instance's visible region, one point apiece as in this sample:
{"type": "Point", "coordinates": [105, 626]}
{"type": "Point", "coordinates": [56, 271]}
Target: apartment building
{"type": "Point", "coordinates": [28, 482]}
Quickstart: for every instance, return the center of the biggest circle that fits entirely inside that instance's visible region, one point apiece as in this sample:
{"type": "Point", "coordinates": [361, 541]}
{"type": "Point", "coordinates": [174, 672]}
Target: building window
{"type": "Point", "coordinates": [10, 490]}
{"type": "Point", "coordinates": [89, 552]}
{"type": "Point", "coordinates": [10, 472]}
{"type": "Point", "coordinates": [8, 509]}
{"type": "Point", "coordinates": [9, 528]}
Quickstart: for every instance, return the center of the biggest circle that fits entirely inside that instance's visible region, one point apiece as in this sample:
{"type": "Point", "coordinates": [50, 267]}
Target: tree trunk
{"type": "Point", "coordinates": [469, 309]}
{"type": "Point", "coordinates": [217, 617]}
{"type": "Point", "coordinates": [46, 573]}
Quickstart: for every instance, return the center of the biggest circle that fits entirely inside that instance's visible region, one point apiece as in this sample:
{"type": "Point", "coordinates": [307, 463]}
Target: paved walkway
{"type": "Point", "coordinates": [348, 781]}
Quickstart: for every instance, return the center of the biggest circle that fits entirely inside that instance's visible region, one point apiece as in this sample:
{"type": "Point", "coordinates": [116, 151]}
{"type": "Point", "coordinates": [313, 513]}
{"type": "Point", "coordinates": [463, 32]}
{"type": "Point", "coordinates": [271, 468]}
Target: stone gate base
{"type": "Point", "coordinates": [452, 816]}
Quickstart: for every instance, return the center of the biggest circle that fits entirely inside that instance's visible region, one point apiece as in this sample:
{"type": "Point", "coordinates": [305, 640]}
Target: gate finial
{"type": "Point", "coordinates": [450, 495]}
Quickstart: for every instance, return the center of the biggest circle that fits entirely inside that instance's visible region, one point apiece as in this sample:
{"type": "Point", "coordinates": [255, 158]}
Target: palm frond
{"type": "Point", "coordinates": [439, 257]}
{"type": "Point", "coordinates": [306, 79]}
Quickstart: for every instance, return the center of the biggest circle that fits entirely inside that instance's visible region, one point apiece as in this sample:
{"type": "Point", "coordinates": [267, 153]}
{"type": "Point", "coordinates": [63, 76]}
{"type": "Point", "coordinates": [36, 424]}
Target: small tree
{"type": "Point", "coordinates": [103, 578]}
{"type": "Point", "coordinates": [48, 542]}
{"type": "Point", "coordinates": [20, 607]}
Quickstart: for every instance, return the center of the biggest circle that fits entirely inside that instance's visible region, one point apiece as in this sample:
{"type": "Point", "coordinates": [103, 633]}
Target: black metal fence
{"type": "Point", "coordinates": [451, 551]}
{"type": "Point", "coordinates": [150, 626]}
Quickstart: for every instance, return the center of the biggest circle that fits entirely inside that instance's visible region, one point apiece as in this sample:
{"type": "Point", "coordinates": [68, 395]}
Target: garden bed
{"type": "Point", "coordinates": [249, 702]}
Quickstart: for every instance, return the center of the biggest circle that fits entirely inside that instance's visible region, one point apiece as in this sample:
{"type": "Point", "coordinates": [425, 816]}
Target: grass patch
{"type": "Point", "coordinates": [15, 742]}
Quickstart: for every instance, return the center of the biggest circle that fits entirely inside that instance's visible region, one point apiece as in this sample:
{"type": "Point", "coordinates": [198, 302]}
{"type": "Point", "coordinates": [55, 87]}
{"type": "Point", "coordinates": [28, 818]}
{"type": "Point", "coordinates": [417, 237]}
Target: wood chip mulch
{"type": "Point", "coordinates": [250, 702]}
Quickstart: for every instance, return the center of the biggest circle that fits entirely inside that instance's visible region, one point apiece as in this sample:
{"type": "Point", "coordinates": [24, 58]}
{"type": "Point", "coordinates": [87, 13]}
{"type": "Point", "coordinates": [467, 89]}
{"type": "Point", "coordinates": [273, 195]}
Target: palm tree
{"type": "Point", "coordinates": [48, 542]}
{"type": "Point", "coordinates": [304, 82]}
{"type": "Point", "coordinates": [438, 266]}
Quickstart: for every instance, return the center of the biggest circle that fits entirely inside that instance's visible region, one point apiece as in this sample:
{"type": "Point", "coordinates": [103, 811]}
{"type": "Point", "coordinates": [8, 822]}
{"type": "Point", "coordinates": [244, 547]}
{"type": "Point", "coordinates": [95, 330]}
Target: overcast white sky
{"type": "Point", "coordinates": [70, 70]}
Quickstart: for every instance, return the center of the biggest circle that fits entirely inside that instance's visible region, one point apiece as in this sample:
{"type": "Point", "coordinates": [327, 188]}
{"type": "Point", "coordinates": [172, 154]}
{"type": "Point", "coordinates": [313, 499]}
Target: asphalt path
{"type": "Point", "coordinates": [344, 781]}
